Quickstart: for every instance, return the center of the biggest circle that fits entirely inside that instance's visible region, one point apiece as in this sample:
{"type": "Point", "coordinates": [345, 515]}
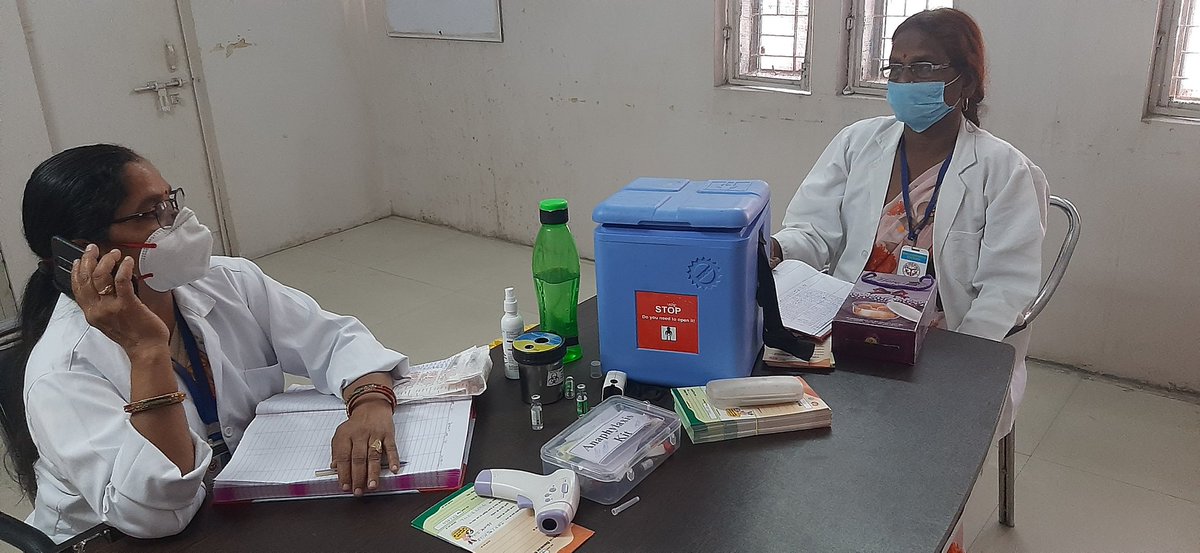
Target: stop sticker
{"type": "Point", "coordinates": [667, 322]}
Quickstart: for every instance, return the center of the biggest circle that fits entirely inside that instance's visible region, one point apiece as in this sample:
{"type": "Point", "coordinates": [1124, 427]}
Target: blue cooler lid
{"type": "Point", "coordinates": [655, 202]}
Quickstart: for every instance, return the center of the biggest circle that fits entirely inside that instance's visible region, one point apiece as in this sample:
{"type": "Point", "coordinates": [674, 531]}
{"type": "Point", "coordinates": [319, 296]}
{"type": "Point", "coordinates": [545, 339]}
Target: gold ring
{"type": "Point", "coordinates": [107, 290]}
{"type": "Point", "coordinates": [377, 445]}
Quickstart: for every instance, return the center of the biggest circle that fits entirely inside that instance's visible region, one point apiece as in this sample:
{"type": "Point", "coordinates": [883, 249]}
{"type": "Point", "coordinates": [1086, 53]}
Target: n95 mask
{"type": "Point", "coordinates": [176, 255]}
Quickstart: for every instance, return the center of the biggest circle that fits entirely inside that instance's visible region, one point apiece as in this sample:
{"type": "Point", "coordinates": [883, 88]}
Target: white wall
{"type": "Point", "coordinates": [290, 115]}
{"type": "Point", "coordinates": [584, 96]}
{"type": "Point", "coordinates": [23, 142]}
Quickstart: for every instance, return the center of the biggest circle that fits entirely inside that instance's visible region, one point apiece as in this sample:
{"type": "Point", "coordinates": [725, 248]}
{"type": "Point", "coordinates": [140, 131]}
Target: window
{"type": "Point", "coordinates": [1176, 86]}
{"type": "Point", "coordinates": [872, 23]}
{"type": "Point", "coordinates": [766, 43]}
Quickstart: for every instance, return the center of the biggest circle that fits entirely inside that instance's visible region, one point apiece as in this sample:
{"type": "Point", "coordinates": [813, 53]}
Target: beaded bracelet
{"type": "Point", "coordinates": [155, 402]}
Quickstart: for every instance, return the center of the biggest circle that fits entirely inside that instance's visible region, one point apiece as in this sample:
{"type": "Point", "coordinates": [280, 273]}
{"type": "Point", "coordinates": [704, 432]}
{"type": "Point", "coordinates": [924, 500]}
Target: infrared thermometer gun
{"type": "Point", "coordinates": [553, 497]}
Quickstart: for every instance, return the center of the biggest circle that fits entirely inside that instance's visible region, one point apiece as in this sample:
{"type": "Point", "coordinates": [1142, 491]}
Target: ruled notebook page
{"type": "Point", "coordinates": [288, 447]}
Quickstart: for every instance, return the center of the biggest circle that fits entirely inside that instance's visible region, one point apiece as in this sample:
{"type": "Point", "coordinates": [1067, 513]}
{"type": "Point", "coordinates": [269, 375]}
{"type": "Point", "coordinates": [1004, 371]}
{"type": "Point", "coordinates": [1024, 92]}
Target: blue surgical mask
{"type": "Point", "coordinates": [919, 105]}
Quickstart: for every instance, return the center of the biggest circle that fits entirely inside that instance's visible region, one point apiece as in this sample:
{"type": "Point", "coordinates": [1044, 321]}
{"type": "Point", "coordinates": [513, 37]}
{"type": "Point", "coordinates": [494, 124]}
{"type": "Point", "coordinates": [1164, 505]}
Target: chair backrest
{"type": "Point", "coordinates": [1070, 240]}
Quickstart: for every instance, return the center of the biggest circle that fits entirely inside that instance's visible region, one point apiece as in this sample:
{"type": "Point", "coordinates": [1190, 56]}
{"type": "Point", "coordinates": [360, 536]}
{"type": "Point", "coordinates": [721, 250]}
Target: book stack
{"type": "Point", "coordinates": [705, 423]}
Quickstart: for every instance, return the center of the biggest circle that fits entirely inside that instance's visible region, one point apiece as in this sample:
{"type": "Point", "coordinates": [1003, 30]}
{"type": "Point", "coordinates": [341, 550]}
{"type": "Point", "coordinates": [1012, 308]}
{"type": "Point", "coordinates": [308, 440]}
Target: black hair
{"type": "Point", "coordinates": [74, 194]}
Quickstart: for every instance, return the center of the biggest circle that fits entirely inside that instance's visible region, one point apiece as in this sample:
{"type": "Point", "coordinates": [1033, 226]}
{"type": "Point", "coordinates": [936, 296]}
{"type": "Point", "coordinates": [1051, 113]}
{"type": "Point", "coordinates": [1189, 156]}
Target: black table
{"type": "Point", "coordinates": [893, 474]}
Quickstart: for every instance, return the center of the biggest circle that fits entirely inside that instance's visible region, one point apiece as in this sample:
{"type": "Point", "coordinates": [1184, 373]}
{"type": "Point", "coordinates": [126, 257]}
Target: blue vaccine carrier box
{"type": "Point", "coordinates": [676, 279]}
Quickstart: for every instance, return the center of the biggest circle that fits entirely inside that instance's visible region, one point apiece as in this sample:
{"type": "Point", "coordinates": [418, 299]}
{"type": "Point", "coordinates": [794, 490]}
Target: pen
{"type": "Point", "coordinates": [333, 472]}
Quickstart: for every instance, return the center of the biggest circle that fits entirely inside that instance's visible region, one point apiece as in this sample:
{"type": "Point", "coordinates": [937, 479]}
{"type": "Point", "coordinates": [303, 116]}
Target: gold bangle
{"type": "Point", "coordinates": [358, 399]}
{"type": "Point", "coordinates": [372, 387]}
{"type": "Point", "coordinates": [155, 402]}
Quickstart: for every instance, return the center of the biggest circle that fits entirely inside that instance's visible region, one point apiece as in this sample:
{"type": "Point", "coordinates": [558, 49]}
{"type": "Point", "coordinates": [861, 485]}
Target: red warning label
{"type": "Point", "coordinates": [667, 322]}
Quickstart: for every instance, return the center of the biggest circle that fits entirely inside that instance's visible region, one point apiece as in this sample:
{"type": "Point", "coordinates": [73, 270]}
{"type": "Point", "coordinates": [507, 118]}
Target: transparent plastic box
{"type": "Point", "coordinates": [614, 447]}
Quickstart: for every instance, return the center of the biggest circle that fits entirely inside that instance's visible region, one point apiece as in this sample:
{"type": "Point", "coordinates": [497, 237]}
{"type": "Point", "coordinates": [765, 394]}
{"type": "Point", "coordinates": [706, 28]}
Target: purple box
{"type": "Point", "coordinates": [875, 320]}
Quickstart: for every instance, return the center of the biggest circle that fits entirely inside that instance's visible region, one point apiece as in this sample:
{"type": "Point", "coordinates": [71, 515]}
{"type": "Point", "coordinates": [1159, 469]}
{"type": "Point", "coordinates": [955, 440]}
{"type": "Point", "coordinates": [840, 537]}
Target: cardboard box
{"type": "Point", "coordinates": [874, 321]}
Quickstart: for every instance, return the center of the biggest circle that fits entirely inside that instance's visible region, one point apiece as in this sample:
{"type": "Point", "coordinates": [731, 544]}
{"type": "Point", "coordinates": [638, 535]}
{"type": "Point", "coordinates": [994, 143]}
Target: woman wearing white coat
{"type": "Point", "coordinates": [139, 386]}
{"type": "Point", "coordinates": [975, 203]}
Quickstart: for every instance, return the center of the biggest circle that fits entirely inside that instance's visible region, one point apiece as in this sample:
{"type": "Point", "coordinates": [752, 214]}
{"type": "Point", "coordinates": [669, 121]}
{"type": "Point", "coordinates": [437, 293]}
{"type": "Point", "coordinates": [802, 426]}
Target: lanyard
{"type": "Point", "coordinates": [197, 381]}
{"type": "Point", "coordinates": [915, 228]}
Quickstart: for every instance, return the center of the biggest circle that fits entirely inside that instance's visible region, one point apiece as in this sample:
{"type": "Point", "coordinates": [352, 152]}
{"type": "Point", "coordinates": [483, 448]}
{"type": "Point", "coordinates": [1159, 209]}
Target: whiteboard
{"type": "Point", "coordinates": [446, 19]}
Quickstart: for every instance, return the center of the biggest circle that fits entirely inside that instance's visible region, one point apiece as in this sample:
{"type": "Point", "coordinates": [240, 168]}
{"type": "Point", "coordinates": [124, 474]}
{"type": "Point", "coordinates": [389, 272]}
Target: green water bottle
{"type": "Point", "coordinates": [556, 276]}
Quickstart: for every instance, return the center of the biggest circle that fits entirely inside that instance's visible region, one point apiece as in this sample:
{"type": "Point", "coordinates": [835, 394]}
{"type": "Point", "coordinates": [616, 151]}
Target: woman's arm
{"type": "Point", "coordinates": [77, 420]}
{"type": "Point", "coordinates": [124, 319]}
{"type": "Point", "coordinates": [812, 227]}
{"type": "Point", "coordinates": [1010, 254]}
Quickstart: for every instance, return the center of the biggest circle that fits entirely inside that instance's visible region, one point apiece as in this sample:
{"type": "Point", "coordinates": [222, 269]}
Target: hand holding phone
{"type": "Point", "coordinates": [103, 286]}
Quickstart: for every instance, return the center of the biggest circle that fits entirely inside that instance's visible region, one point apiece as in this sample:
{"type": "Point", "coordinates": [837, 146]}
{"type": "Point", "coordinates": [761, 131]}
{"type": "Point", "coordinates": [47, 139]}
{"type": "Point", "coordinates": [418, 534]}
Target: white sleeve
{"type": "Point", "coordinates": [80, 427]}
{"type": "Point", "coordinates": [1010, 254]}
{"type": "Point", "coordinates": [333, 350]}
{"type": "Point", "coordinates": [812, 226]}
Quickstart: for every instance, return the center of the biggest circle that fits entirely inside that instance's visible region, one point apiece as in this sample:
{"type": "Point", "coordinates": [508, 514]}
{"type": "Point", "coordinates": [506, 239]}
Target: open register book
{"type": "Point", "coordinates": [289, 440]}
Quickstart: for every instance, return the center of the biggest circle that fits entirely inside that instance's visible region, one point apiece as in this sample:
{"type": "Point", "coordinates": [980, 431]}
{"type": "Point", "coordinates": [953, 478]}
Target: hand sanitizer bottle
{"type": "Point", "coordinates": [511, 326]}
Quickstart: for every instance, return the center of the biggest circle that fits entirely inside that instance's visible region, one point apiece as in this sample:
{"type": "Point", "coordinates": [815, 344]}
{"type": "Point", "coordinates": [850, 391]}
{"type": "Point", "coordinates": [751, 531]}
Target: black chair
{"type": "Point", "coordinates": [1008, 444]}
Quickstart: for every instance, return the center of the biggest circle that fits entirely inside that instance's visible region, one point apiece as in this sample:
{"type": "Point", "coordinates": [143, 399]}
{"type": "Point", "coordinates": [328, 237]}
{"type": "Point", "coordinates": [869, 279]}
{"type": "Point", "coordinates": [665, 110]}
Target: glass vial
{"type": "Point", "coordinates": [581, 401]}
{"type": "Point", "coordinates": [535, 412]}
{"type": "Point", "coordinates": [569, 388]}
{"type": "Point", "coordinates": [596, 372]}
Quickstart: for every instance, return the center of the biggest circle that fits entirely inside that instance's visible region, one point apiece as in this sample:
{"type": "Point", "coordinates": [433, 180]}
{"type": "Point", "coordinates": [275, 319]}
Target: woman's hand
{"type": "Point", "coordinates": [109, 304]}
{"type": "Point", "coordinates": [776, 253]}
{"type": "Point", "coordinates": [360, 443]}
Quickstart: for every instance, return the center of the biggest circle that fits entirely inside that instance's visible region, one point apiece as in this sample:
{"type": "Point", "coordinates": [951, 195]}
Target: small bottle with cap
{"type": "Point", "coordinates": [511, 326]}
{"type": "Point", "coordinates": [581, 400]}
{"type": "Point", "coordinates": [535, 412]}
{"type": "Point", "coordinates": [569, 387]}
{"type": "Point", "coordinates": [596, 372]}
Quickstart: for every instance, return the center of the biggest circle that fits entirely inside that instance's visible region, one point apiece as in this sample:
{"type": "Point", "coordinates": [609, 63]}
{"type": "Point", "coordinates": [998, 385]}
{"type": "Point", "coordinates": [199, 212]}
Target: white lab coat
{"type": "Point", "coordinates": [986, 274]}
{"type": "Point", "coordinates": [95, 467]}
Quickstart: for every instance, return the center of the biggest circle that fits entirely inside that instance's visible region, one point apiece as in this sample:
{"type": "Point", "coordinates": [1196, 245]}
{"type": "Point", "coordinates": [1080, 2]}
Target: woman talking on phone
{"type": "Point", "coordinates": [929, 183]}
{"type": "Point", "coordinates": [142, 376]}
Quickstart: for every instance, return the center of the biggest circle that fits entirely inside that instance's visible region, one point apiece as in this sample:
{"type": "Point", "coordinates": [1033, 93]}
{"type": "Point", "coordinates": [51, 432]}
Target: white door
{"type": "Point", "coordinates": [89, 57]}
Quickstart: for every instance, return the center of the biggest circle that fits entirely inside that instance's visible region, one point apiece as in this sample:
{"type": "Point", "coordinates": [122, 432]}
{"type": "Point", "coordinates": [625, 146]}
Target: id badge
{"type": "Point", "coordinates": [913, 262]}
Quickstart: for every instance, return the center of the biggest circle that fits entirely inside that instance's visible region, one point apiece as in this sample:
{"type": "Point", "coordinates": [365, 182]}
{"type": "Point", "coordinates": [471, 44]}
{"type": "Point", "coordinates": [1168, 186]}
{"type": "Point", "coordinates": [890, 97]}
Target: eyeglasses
{"type": "Point", "coordinates": [920, 70]}
{"type": "Point", "coordinates": [164, 212]}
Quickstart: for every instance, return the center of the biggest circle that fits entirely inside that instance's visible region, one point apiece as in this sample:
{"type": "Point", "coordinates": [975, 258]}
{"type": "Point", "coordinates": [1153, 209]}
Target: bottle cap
{"type": "Point", "coordinates": [539, 348]}
{"type": "Point", "coordinates": [553, 211]}
{"type": "Point", "coordinates": [510, 301]}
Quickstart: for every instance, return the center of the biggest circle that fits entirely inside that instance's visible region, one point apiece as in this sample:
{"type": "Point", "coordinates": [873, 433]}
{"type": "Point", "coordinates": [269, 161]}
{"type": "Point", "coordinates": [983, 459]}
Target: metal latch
{"type": "Point", "coordinates": [166, 99]}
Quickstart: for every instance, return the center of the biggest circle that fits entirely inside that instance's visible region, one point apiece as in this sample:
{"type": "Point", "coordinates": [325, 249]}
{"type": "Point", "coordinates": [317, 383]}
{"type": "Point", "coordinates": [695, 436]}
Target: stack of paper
{"type": "Point", "coordinates": [705, 423]}
{"type": "Point", "coordinates": [290, 436]}
{"type": "Point", "coordinates": [808, 298]}
{"type": "Point", "coordinates": [463, 375]}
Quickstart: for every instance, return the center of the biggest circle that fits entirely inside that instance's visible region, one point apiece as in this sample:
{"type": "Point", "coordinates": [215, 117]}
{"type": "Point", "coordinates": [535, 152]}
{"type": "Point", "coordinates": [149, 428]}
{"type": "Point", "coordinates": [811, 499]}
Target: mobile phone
{"type": "Point", "coordinates": [64, 253]}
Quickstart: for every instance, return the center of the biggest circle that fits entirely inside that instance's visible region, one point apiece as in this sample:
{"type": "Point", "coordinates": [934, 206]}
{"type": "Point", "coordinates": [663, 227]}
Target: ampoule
{"type": "Point", "coordinates": [535, 411]}
{"type": "Point", "coordinates": [569, 388]}
{"type": "Point", "coordinates": [581, 401]}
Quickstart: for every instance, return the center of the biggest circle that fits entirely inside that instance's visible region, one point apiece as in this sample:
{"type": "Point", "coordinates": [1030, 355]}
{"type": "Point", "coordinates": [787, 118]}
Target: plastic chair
{"type": "Point", "coordinates": [1008, 444]}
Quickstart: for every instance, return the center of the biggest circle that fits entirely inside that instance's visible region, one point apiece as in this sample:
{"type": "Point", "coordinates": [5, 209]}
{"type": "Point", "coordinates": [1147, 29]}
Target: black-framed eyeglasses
{"type": "Point", "coordinates": [164, 212]}
{"type": "Point", "coordinates": [920, 70]}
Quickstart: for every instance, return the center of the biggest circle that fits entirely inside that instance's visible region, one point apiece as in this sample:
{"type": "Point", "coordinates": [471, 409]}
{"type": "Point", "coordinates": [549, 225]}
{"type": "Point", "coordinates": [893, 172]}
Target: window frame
{"type": "Point", "coordinates": [729, 33]}
{"type": "Point", "coordinates": [856, 25]}
{"type": "Point", "coordinates": [1166, 43]}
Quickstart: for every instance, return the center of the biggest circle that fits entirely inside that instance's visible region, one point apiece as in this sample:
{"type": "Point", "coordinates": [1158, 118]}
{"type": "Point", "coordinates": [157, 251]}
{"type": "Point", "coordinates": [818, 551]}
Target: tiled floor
{"type": "Point", "coordinates": [1102, 467]}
